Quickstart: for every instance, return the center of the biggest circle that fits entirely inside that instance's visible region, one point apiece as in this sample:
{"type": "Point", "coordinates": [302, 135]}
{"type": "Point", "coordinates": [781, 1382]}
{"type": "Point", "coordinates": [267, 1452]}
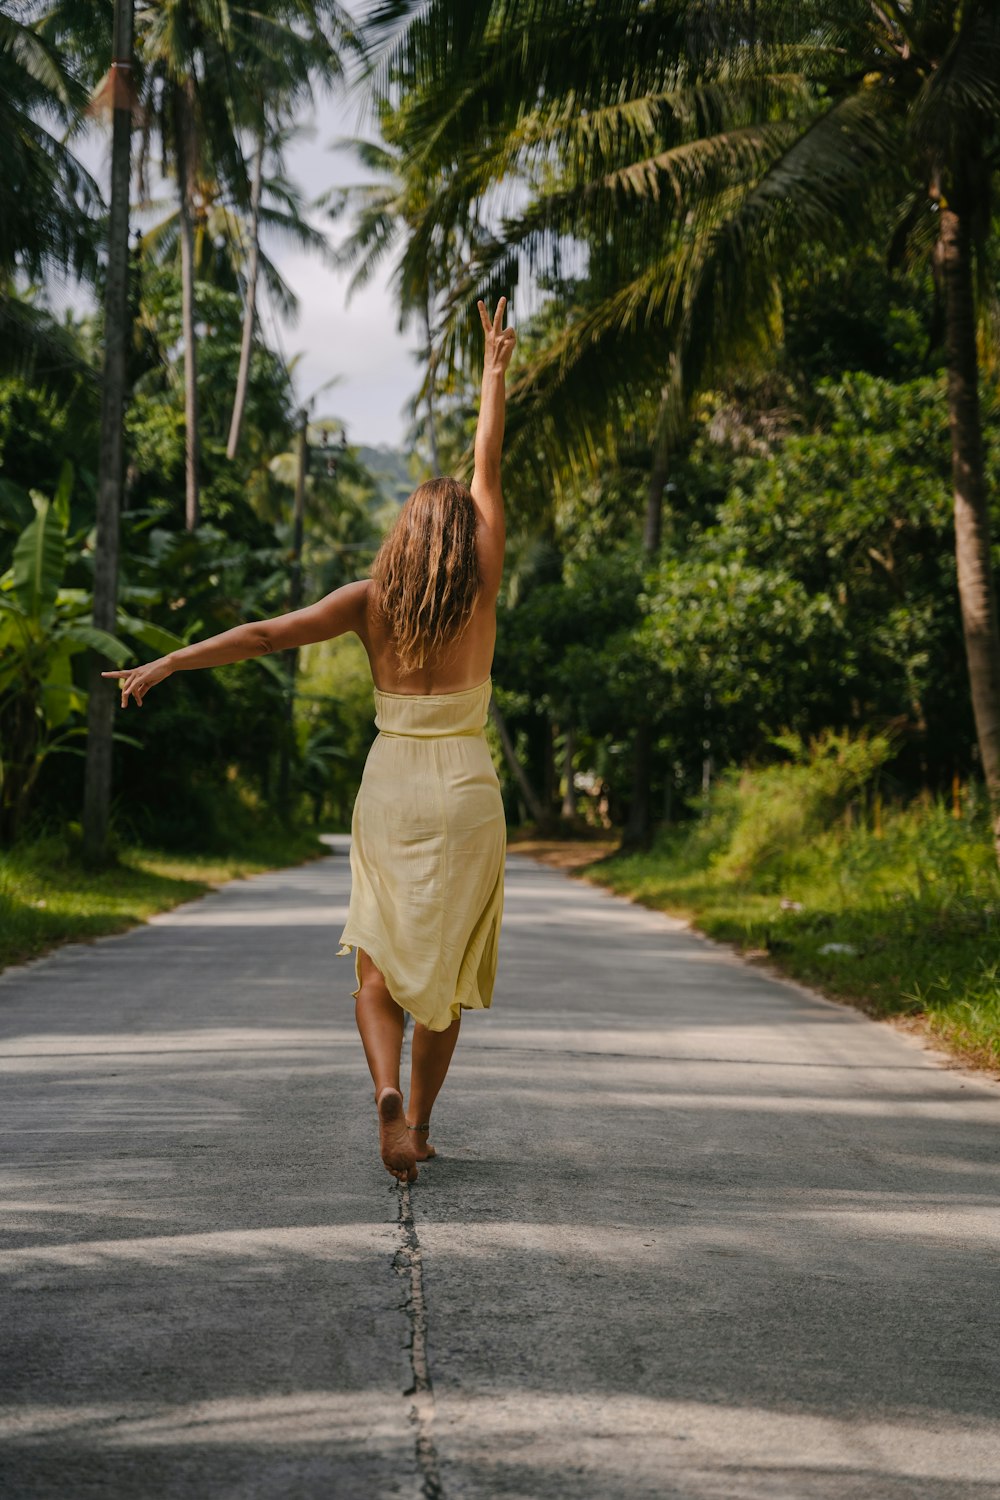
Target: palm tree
{"type": "Point", "coordinates": [394, 215]}
{"type": "Point", "coordinates": [223, 239]}
{"type": "Point", "coordinates": [183, 60]}
{"type": "Point", "coordinates": [277, 206]}
{"type": "Point", "coordinates": [700, 151]}
{"type": "Point", "coordinates": [48, 201]}
{"type": "Point", "coordinates": [250, 304]}
{"type": "Point", "coordinates": [199, 103]}
{"type": "Point", "coordinates": [318, 36]}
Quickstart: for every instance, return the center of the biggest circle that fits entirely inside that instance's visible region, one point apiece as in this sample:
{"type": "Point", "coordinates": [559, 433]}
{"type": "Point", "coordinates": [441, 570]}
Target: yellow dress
{"type": "Point", "coordinates": [428, 842]}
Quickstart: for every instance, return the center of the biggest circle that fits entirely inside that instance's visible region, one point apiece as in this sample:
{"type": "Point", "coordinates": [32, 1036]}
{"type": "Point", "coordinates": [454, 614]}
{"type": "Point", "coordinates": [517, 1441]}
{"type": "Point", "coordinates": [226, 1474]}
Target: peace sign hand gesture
{"type": "Point", "coordinates": [500, 341]}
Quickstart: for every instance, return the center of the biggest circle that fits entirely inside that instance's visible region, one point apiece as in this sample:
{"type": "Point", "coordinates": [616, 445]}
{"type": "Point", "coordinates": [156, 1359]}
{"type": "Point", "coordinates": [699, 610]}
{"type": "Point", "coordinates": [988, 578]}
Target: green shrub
{"type": "Point", "coordinates": [769, 811]}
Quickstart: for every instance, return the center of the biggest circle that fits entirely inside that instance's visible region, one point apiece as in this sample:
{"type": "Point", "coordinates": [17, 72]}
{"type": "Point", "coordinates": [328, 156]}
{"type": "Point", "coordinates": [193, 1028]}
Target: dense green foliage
{"type": "Point", "coordinates": [43, 626]}
{"type": "Point", "coordinates": [197, 755]}
{"type": "Point", "coordinates": [196, 751]}
{"type": "Point", "coordinates": [759, 245]}
{"type": "Point", "coordinates": [806, 576]}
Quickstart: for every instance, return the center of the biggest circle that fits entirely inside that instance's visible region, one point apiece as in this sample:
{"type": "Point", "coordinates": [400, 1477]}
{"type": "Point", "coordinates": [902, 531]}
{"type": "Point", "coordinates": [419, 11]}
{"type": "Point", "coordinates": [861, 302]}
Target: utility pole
{"type": "Point", "coordinates": [103, 700]}
{"type": "Point", "coordinates": [294, 602]}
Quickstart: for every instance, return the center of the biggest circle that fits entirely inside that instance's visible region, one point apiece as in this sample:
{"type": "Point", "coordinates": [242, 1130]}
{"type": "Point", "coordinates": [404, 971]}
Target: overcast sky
{"type": "Point", "coordinates": [359, 343]}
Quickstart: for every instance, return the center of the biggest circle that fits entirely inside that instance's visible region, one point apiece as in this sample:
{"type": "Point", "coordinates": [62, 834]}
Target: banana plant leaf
{"type": "Point", "coordinates": [39, 561]}
{"type": "Point", "coordinates": [60, 500]}
{"type": "Point", "coordinates": [60, 696]}
{"type": "Point", "coordinates": [82, 635]}
{"type": "Point", "coordinates": [153, 636]}
{"type": "Point", "coordinates": [57, 747]}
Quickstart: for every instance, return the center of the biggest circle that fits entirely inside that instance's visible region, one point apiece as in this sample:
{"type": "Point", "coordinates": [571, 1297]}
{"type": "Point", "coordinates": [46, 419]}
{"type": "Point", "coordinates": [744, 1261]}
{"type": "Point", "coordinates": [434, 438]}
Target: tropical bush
{"type": "Point", "coordinates": [44, 626]}
{"type": "Point", "coordinates": [760, 815]}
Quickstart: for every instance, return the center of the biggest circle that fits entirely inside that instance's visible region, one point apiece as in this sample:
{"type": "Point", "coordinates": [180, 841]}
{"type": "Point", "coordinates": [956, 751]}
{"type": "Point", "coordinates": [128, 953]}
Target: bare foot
{"type": "Point", "coordinates": [394, 1140]}
{"type": "Point", "coordinates": [421, 1144]}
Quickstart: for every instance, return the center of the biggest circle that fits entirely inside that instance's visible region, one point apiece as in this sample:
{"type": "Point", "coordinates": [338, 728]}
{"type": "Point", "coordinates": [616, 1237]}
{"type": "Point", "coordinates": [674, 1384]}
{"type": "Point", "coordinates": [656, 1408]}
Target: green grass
{"type": "Point", "coordinates": [919, 908]}
{"type": "Point", "coordinates": [47, 897]}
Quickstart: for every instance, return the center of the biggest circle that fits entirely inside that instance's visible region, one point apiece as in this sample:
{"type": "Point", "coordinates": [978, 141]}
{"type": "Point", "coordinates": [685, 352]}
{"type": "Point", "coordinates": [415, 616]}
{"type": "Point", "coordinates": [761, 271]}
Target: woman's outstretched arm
{"type": "Point", "coordinates": [486, 488]}
{"type": "Point", "coordinates": [334, 615]}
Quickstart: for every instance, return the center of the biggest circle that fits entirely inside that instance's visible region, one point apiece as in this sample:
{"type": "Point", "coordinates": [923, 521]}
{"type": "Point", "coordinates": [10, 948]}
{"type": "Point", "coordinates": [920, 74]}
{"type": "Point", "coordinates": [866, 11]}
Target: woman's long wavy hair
{"type": "Point", "coordinates": [425, 577]}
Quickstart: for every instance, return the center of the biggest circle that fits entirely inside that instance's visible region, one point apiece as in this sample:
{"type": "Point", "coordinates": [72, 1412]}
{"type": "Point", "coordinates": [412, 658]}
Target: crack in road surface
{"type": "Point", "coordinates": [408, 1262]}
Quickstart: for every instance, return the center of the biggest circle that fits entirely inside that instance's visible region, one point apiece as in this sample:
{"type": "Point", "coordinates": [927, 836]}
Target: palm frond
{"type": "Point", "coordinates": [35, 348]}
{"type": "Point", "coordinates": [959, 102]}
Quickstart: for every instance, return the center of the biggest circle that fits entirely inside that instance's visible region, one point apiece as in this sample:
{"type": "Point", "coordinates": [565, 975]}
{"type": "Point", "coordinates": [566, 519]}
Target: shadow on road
{"type": "Point", "coordinates": [691, 1232]}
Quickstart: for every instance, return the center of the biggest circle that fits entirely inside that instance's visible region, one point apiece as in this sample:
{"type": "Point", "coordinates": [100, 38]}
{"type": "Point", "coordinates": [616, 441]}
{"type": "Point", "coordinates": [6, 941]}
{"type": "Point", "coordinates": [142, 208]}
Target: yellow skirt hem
{"type": "Point", "coordinates": [373, 949]}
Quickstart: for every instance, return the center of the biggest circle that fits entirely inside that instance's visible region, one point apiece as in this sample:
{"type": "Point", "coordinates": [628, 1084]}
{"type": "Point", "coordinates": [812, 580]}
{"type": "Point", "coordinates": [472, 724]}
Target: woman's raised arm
{"type": "Point", "coordinates": [335, 614]}
{"type": "Point", "coordinates": [486, 489]}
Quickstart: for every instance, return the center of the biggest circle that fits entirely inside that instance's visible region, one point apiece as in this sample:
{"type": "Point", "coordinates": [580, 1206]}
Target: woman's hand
{"type": "Point", "coordinates": [138, 680]}
{"type": "Point", "coordinates": [500, 341]}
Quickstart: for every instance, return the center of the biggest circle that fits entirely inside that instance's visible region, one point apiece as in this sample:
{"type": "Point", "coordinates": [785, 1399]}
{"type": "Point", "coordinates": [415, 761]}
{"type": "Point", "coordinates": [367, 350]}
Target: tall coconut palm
{"type": "Point", "coordinates": [222, 236]}
{"type": "Point", "coordinates": [709, 148]}
{"type": "Point", "coordinates": [276, 206]}
{"type": "Point", "coordinates": [48, 201]}
{"type": "Point", "coordinates": [204, 64]}
{"type": "Point", "coordinates": [250, 303]}
{"type": "Point", "coordinates": [319, 37]}
{"type": "Point", "coordinates": [394, 214]}
{"type": "Point", "coordinates": [181, 48]}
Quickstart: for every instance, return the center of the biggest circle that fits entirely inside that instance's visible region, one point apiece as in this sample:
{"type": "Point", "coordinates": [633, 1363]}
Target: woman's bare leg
{"type": "Point", "coordinates": [430, 1057]}
{"type": "Point", "coordinates": [380, 1022]}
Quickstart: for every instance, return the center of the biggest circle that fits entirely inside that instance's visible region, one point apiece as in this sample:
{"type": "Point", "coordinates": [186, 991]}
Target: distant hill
{"type": "Point", "coordinates": [390, 468]}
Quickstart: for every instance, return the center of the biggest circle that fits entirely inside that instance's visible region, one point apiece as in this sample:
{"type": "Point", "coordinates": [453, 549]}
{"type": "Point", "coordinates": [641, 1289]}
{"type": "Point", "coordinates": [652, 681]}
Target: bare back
{"type": "Point", "coordinates": [467, 665]}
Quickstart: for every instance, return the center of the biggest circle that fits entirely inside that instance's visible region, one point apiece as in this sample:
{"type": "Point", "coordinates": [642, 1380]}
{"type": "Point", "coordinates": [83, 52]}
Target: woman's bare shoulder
{"type": "Point", "coordinates": [368, 616]}
{"type": "Point", "coordinates": [346, 608]}
{"type": "Point", "coordinates": [355, 601]}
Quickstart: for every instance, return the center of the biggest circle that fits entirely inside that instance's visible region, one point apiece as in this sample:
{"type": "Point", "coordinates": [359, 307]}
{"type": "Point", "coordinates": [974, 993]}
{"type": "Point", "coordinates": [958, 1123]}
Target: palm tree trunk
{"type": "Point", "coordinates": [186, 161]}
{"type": "Point", "coordinates": [294, 603]}
{"type": "Point", "coordinates": [431, 414]}
{"type": "Point", "coordinates": [550, 779]}
{"type": "Point", "coordinates": [976, 587]}
{"type": "Point", "coordinates": [635, 834]}
{"type": "Point", "coordinates": [250, 309]}
{"type": "Point", "coordinates": [569, 790]}
{"type": "Point", "coordinates": [652, 531]}
{"type": "Point", "coordinates": [102, 699]}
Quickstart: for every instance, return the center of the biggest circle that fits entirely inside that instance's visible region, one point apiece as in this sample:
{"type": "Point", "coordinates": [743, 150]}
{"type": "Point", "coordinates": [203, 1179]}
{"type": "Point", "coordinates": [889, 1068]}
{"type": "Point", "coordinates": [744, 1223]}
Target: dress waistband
{"type": "Point", "coordinates": [430, 734]}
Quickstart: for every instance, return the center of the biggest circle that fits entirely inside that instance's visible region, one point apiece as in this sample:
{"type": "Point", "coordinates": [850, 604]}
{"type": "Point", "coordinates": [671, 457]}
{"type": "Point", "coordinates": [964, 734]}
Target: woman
{"type": "Point", "coordinates": [428, 832]}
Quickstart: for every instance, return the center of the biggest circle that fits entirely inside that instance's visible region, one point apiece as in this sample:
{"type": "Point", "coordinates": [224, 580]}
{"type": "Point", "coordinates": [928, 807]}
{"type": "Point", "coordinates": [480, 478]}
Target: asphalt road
{"type": "Point", "coordinates": [693, 1232]}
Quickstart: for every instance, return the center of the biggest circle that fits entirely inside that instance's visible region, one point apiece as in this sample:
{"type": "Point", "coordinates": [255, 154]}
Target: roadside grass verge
{"type": "Point", "coordinates": [898, 913]}
{"type": "Point", "coordinates": [48, 897]}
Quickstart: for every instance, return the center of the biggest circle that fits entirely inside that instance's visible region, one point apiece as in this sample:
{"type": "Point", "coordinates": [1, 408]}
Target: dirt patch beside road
{"type": "Point", "coordinates": [564, 854]}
